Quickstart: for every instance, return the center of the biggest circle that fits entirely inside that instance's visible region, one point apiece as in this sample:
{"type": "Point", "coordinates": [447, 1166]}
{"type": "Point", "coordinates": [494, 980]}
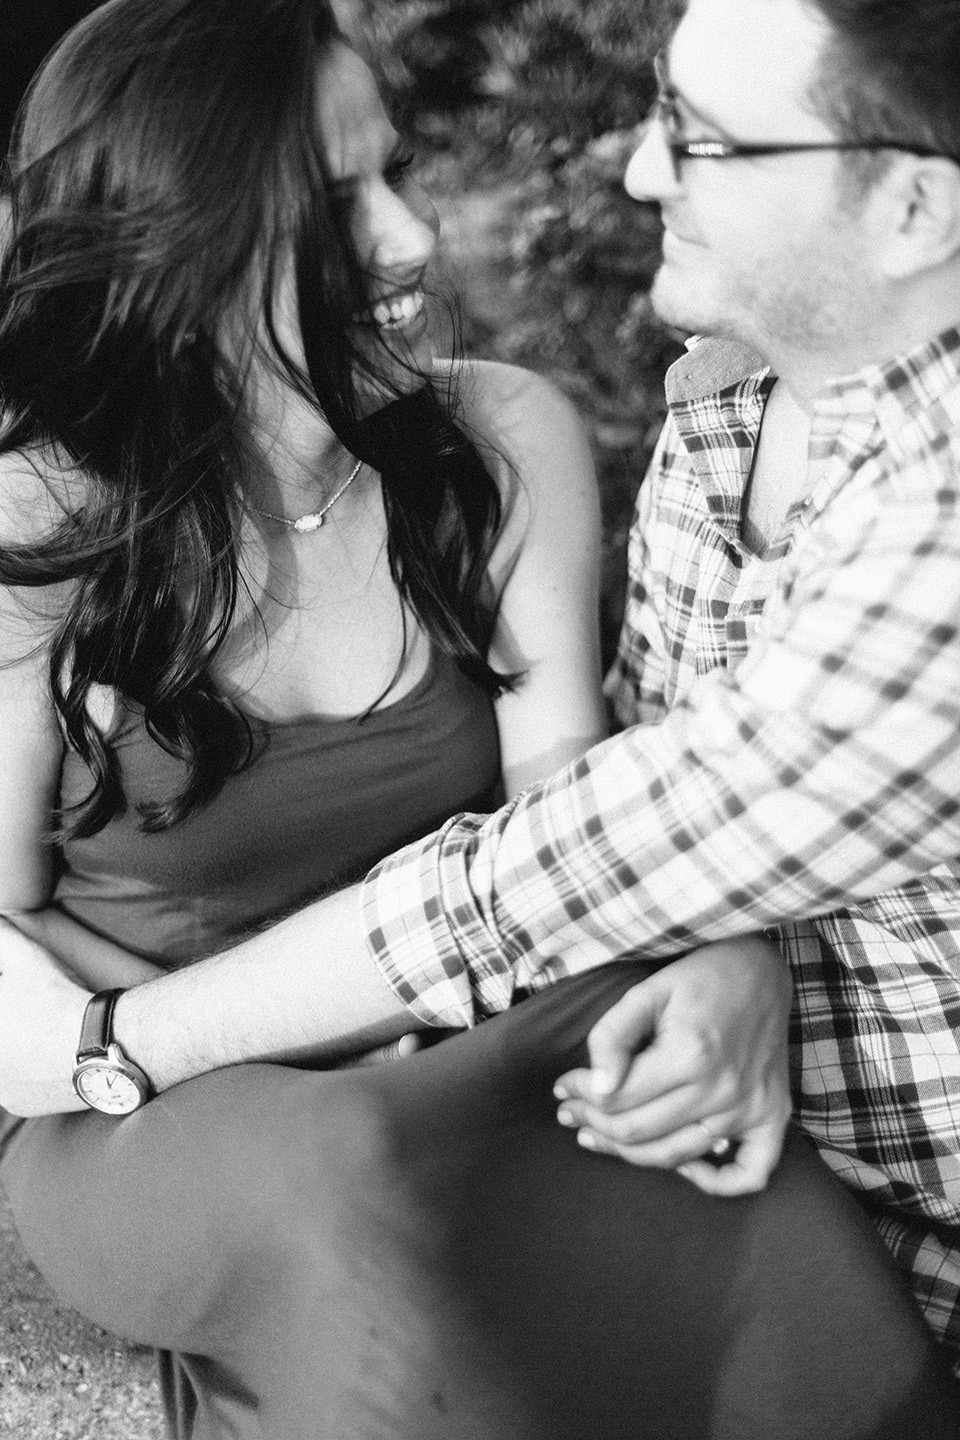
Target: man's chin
{"type": "Point", "coordinates": [674, 302]}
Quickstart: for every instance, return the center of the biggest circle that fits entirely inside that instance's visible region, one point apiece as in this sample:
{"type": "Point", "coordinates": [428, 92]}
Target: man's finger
{"type": "Point", "coordinates": [652, 1077]}
{"type": "Point", "coordinates": [670, 1152]}
{"type": "Point", "coordinates": [676, 1060]}
{"type": "Point", "coordinates": [631, 1124]}
{"type": "Point", "coordinates": [758, 1155]}
{"type": "Point", "coordinates": [615, 1039]}
{"type": "Point", "coordinates": [393, 1050]}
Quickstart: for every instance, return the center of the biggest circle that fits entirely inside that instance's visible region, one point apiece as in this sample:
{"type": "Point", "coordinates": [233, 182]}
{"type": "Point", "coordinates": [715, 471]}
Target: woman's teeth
{"type": "Point", "coordinates": [393, 314]}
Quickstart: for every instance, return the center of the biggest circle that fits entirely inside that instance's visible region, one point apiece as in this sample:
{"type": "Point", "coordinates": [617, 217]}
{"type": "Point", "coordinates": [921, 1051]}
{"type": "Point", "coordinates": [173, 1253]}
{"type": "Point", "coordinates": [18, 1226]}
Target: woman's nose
{"type": "Point", "coordinates": [651, 174]}
{"type": "Point", "coordinates": [404, 230]}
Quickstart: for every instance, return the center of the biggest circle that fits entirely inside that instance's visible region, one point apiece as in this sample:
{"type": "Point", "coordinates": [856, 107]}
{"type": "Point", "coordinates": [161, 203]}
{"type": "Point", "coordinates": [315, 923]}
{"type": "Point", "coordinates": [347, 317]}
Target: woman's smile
{"type": "Point", "coordinates": [399, 311]}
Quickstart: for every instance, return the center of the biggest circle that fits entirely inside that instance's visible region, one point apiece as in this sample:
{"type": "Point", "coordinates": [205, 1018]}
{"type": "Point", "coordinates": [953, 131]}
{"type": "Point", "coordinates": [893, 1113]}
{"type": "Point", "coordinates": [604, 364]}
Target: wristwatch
{"type": "Point", "coordinates": [104, 1078]}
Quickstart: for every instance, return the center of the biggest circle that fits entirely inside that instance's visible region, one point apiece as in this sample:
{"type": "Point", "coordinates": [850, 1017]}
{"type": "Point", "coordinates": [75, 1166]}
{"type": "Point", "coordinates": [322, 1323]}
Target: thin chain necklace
{"type": "Point", "coordinates": [313, 519]}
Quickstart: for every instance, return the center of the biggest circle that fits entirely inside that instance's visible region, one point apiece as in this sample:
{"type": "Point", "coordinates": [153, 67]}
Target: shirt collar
{"type": "Point", "coordinates": [895, 392]}
{"type": "Point", "coordinates": [709, 366]}
{"type": "Point", "coordinates": [721, 385]}
{"type": "Point", "coordinates": [920, 377]}
{"type": "Point", "coordinates": [716, 394]}
{"type": "Point", "coordinates": [916, 378]}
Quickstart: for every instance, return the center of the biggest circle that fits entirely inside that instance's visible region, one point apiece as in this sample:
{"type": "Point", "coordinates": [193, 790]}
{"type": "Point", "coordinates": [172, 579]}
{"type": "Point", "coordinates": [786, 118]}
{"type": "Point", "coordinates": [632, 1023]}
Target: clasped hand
{"type": "Point", "coordinates": [696, 1052]}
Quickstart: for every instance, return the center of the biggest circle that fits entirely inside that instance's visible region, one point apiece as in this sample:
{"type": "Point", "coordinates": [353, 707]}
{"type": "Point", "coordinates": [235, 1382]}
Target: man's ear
{"type": "Point", "coordinates": [920, 200]}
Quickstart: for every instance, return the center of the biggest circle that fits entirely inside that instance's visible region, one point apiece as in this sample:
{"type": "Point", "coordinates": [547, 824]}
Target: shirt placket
{"type": "Point", "coordinates": [732, 584]}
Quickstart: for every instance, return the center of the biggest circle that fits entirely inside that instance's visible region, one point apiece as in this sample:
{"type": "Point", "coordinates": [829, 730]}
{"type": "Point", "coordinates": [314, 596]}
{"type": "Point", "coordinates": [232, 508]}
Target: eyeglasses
{"type": "Point", "coordinates": [666, 114]}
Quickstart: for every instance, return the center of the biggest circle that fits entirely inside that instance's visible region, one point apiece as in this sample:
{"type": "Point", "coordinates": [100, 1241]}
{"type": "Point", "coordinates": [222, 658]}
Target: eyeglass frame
{"type": "Point", "coordinates": [664, 114]}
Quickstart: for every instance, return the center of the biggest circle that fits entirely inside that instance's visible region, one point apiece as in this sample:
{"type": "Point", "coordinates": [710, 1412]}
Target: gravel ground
{"type": "Point", "coordinates": [60, 1377]}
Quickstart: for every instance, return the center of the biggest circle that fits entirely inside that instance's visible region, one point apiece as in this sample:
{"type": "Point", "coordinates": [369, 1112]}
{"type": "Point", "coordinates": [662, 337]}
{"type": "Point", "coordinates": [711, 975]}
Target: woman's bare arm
{"type": "Point", "coordinates": [90, 959]}
{"type": "Point", "coordinates": [545, 568]}
{"type": "Point", "coordinates": [31, 756]}
{"type": "Point", "coordinates": [281, 995]}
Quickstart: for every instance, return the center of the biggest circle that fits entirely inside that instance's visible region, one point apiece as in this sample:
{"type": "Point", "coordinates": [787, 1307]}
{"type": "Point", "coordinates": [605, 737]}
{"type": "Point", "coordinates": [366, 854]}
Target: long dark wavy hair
{"type": "Point", "coordinates": [166, 153]}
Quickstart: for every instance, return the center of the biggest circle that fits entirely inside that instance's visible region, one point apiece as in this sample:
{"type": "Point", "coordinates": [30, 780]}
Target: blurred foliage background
{"type": "Point", "coordinates": [525, 113]}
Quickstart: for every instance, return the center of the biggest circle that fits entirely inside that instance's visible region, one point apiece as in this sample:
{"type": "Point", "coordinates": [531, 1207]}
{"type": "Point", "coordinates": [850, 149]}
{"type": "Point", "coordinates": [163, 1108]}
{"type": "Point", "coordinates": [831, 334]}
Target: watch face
{"type": "Point", "coordinates": [108, 1089]}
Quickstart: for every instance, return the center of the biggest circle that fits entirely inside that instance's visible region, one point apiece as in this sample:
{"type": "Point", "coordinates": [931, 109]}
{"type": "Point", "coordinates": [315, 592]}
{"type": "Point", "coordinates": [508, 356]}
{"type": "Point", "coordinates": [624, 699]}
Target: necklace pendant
{"type": "Point", "coordinates": [306, 523]}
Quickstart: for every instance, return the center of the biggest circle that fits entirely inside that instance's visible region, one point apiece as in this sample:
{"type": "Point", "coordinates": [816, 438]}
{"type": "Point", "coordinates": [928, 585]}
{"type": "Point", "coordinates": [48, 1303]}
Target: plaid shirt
{"type": "Point", "coordinates": [793, 764]}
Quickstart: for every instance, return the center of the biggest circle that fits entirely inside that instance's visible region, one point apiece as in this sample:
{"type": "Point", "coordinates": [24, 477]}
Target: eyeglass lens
{"type": "Point", "coordinates": [665, 113]}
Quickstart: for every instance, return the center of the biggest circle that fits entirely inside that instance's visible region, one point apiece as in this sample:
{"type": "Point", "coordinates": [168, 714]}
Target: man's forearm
{"type": "Point", "coordinates": [306, 987]}
{"type": "Point", "coordinates": [661, 839]}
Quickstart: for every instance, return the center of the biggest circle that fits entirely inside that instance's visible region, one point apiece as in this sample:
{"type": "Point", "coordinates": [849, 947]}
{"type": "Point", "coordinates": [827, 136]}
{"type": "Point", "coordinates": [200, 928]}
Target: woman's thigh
{"type": "Point", "coordinates": [418, 1250]}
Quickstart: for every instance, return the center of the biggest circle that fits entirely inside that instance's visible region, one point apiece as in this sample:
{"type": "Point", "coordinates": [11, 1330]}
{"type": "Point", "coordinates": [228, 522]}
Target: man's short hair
{"type": "Point", "coordinates": [892, 71]}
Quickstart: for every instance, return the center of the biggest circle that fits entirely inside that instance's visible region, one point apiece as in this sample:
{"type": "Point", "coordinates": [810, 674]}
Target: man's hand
{"type": "Point", "coordinates": [41, 1012]}
{"type": "Point", "coordinates": [694, 1054]}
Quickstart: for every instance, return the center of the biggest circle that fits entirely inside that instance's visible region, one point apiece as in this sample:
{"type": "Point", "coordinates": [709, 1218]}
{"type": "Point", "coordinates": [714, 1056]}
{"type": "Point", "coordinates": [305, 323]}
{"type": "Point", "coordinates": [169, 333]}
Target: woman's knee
{"type": "Point", "coordinates": [211, 1190]}
{"type": "Point", "coordinates": [307, 1148]}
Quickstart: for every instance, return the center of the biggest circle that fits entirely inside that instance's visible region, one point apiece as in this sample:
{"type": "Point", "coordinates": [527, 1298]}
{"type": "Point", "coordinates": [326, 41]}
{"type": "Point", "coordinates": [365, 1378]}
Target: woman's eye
{"type": "Point", "coordinates": [398, 169]}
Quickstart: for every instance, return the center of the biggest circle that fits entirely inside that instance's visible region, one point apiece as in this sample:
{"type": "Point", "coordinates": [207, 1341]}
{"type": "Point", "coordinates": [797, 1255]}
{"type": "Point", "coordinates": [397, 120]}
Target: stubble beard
{"type": "Point", "coordinates": [801, 305]}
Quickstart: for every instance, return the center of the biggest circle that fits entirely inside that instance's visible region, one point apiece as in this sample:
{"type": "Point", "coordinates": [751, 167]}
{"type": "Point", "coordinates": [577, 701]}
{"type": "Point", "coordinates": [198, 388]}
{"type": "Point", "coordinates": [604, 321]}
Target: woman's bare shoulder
{"type": "Point", "coordinates": [536, 447]}
{"type": "Point", "coordinates": [529, 433]}
{"type": "Point", "coordinates": [509, 406]}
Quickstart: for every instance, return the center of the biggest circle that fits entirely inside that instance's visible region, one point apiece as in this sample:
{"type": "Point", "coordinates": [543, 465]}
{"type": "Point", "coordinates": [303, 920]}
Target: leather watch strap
{"type": "Point", "coordinates": [96, 1032]}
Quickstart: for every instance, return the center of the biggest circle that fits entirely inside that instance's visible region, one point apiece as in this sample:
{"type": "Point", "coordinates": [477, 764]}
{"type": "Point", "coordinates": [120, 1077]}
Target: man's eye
{"type": "Point", "coordinates": [398, 169]}
{"type": "Point", "coordinates": [672, 118]}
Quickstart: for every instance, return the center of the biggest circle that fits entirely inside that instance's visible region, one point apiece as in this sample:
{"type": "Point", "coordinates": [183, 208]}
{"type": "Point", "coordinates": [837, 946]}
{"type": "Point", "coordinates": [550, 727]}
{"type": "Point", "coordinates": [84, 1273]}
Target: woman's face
{"type": "Point", "coordinates": [394, 226]}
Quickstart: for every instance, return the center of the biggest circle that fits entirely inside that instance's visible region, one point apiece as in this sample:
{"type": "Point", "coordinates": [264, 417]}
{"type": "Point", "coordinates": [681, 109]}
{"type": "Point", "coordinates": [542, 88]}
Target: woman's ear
{"type": "Point", "coordinates": [921, 200]}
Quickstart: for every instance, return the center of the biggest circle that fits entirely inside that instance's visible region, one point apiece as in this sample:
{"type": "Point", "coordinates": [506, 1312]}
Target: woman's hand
{"type": "Point", "coordinates": [694, 1054]}
{"type": "Point", "coordinates": [41, 1012]}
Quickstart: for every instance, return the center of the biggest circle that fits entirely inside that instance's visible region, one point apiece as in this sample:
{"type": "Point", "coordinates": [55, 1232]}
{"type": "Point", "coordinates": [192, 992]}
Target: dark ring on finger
{"type": "Point", "coordinates": [723, 1148]}
{"type": "Point", "coordinates": [722, 1152]}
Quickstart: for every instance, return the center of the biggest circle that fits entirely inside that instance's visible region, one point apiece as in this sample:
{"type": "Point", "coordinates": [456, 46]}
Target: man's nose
{"type": "Point", "coordinates": [651, 174]}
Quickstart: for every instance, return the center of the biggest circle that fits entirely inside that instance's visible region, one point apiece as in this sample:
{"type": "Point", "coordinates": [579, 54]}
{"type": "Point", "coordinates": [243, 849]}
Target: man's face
{"type": "Point", "coordinates": [760, 249]}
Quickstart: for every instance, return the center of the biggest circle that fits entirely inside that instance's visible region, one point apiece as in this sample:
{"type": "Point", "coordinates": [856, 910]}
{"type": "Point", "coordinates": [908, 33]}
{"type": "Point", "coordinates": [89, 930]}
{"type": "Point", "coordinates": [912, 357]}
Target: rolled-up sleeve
{"type": "Point", "coordinates": [826, 768]}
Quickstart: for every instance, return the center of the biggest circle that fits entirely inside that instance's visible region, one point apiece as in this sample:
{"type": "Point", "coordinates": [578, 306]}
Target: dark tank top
{"type": "Point", "coordinates": [322, 802]}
